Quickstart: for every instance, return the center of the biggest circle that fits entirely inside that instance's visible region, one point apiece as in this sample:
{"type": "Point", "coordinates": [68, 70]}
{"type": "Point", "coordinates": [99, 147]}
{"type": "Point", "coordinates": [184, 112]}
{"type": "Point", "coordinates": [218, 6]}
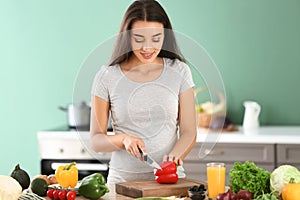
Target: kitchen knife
{"type": "Point", "coordinates": [149, 161]}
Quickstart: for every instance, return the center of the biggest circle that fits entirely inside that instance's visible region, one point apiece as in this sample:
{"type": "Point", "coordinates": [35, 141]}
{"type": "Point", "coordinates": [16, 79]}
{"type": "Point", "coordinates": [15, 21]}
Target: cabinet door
{"type": "Point", "coordinates": [288, 154]}
{"type": "Point", "coordinates": [228, 152]}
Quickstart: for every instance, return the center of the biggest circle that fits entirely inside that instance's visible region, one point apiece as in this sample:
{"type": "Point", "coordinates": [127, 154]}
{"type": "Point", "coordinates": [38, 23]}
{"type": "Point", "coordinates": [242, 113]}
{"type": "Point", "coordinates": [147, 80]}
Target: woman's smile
{"type": "Point", "coordinates": [147, 55]}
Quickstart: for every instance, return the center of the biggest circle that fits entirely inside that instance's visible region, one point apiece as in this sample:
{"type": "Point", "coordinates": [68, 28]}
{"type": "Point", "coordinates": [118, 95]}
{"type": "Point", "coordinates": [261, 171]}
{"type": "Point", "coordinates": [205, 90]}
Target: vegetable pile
{"type": "Point", "coordinates": [249, 177]}
{"type": "Point", "coordinates": [60, 186]}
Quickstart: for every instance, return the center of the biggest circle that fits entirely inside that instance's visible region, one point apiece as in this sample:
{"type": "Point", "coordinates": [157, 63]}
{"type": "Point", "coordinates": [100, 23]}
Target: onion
{"type": "Point", "coordinates": [221, 196]}
{"type": "Point", "coordinates": [244, 195]}
{"type": "Point", "coordinates": [224, 196]}
{"type": "Point", "coordinates": [233, 196]}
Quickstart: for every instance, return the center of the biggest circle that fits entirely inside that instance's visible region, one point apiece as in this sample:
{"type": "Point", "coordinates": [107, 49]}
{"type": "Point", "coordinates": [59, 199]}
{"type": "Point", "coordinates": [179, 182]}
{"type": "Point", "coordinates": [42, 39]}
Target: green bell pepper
{"type": "Point", "coordinates": [93, 186]}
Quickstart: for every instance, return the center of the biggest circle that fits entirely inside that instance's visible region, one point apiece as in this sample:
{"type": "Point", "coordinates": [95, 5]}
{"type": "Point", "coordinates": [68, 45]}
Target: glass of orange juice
{"type": "Point", "coordinates": [216, 173]}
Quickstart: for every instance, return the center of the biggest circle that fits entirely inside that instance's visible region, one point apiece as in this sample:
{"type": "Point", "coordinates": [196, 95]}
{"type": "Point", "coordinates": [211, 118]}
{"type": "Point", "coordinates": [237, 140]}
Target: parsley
{"type": "Point", "coordinates": [269, 196]}
{"type": "Point", "coordinates": [249, 177]}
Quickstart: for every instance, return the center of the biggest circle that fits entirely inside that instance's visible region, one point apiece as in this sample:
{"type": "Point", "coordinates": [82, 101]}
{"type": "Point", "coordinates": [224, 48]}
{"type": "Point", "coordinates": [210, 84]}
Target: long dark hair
{"type": "Point", "coordinates": [145, 10]}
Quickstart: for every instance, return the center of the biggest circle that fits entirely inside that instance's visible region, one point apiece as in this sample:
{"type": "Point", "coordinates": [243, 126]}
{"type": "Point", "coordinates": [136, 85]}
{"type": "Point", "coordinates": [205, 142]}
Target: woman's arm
{"type": "Point", "coordinates": [187, 127]}
{"type": "Point", "coordinates": [101, 142]}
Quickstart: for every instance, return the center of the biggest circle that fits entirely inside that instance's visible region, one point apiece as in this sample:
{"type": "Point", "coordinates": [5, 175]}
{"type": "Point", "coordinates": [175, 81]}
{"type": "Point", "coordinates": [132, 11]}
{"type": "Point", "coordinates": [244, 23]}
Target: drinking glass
{"type": "Point", "coordinates": [216, 173]}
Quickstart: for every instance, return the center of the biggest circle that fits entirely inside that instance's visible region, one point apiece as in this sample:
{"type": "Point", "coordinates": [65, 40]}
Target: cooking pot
{"type": "Point", "coordinates": [78, 115]}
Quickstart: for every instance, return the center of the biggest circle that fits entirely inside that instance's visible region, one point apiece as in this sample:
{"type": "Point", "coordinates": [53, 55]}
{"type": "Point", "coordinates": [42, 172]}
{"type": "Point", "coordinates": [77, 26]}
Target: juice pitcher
{"type": "Point", "coordinates": [252, 111]}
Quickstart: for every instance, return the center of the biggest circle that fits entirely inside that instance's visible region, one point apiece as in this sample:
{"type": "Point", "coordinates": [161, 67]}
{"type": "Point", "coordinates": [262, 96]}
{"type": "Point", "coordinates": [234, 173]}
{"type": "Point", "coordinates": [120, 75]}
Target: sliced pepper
{"type": "Point", "coordinates": [167, 178]}
{"type": "Point", "coordinates": [93, 186]}
{"type": "Point", "coordinates": [167, 167]}
{"type": "Point", "coordinates": [67, 175]}
{"type": "Point", "coordinates": [167, 174]}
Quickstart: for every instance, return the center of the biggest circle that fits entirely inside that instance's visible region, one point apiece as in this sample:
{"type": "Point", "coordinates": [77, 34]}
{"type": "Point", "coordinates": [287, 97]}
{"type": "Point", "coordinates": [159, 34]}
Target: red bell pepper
{"type": "Point", "coordinates": [167, 167]}
{"type": "Point", "coordinates": [167, 174]}
{"type": "Point", "coordinates": [167, 178]}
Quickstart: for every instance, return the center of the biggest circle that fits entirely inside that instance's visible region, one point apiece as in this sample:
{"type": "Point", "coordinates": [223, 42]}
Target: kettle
{"type": "Point", "coordinates": [252, 111]}
{"type": "Point", "coordinates": [78, 115]}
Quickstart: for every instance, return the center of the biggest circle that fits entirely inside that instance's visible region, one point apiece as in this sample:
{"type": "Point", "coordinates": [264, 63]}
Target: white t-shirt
{"type": "Point", "coordinates": [148, 110]}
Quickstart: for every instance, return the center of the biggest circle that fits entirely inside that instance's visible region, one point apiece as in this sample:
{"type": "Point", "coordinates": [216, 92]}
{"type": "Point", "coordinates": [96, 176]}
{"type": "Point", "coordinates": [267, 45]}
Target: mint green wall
{"type": "Point", "coordinates": [255, 44]}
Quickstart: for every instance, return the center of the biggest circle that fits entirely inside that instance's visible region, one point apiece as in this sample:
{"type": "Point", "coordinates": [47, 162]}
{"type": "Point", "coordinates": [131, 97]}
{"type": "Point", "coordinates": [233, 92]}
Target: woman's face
{"type": "Point", "coordinates": [146, 40]}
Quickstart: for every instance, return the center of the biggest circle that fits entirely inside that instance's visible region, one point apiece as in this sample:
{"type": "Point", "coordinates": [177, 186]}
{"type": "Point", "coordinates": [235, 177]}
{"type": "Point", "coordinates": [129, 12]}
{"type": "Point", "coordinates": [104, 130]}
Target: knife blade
{"type": "Point", "coordinates": [149, 161]}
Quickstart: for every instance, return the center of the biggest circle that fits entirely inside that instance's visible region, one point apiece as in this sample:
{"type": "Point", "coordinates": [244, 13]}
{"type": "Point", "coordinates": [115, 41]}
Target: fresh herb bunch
{"type": "Point", "coordinates": [249, 177]}
{"type": "Point", "coordinates": [269, 196]}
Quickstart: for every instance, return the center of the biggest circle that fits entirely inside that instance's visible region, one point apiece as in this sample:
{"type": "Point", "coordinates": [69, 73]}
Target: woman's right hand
{"type": "Point", "coordinates": [132, 144]}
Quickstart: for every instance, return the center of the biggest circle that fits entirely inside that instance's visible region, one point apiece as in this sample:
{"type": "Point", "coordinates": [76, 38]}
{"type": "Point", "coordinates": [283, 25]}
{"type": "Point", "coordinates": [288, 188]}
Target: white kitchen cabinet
{"type": "Point", "coordinates": [262, 154]}
{"type": "Point", "coordinates": [288, 154]}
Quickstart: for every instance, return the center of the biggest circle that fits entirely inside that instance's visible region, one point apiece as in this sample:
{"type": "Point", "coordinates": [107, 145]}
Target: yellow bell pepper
{"type": "Point", "coordinates": [291, 190]}
{"type": "Point", "coordinates": [67, 175]}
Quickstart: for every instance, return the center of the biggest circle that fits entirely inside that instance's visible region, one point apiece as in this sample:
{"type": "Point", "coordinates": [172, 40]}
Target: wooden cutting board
{"type": "Point", "coordinates": [138, 189]}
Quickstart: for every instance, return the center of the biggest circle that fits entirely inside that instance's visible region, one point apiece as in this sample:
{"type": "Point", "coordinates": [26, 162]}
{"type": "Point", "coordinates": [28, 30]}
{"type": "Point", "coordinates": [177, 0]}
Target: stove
{"type": "Point", "coordinates": [61, 146]}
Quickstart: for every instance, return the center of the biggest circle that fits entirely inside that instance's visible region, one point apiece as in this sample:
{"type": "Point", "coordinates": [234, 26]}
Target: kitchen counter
{"type": "Point", "coordinates": [265, 134]}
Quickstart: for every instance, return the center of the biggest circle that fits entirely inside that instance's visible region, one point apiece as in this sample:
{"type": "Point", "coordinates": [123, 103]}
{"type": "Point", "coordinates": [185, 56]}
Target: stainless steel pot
{"type": "Point", "coordinates": [78, 116]}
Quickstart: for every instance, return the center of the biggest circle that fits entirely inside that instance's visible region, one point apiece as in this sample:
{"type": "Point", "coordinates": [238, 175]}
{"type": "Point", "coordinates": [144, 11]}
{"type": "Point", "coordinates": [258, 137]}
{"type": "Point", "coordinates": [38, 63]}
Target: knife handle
{"type": "Point", "coordinates": [141, 152]}
{"type": "Point", "coordinates": [144, 157]}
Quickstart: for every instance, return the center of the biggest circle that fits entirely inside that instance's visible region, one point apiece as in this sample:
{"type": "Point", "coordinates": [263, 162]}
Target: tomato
{"type": "Point", "coordinates": [55, 194]}
{"type": "Point", "coordinates": [62, 195]}
{"type": "Point", "coordinates": [50, 193]}
{"type": "Point", "coordinates": [71, 195]}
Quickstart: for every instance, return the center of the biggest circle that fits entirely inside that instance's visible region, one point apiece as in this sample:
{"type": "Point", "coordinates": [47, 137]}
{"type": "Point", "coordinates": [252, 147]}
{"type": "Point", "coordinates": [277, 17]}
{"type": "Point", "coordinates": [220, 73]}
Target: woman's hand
{"type": "Point", "coordinates": [173, 158]}
{"type": "Point", "coordinates": [132, 144]}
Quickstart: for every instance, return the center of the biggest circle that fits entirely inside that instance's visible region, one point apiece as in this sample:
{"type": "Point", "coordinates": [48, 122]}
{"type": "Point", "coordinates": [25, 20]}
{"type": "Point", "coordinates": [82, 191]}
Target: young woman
{"type": "Point", "coordinates": [148, 91]}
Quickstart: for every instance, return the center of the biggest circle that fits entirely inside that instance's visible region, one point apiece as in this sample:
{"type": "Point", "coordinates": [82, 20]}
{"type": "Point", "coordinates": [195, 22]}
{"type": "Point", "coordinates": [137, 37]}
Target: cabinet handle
{"type": "Point", "coordinates": [213, 153]}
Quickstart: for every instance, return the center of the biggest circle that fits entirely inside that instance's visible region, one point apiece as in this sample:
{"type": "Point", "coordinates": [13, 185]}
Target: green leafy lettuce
{"type": "Point", "coordinates": [248, 176]}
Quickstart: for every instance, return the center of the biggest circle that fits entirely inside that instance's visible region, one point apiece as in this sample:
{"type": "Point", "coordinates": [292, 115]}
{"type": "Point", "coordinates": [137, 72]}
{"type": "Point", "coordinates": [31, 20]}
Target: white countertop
{"type": "Point", "coordinates": [265, 134]}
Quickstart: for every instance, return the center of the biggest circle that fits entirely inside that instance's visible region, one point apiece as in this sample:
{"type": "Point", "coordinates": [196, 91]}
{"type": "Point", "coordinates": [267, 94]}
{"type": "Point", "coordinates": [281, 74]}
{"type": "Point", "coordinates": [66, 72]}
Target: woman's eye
{"type": "Point", "coordinates": [139, 40]}
{"type": "Point", "coordinates": [155, 39]}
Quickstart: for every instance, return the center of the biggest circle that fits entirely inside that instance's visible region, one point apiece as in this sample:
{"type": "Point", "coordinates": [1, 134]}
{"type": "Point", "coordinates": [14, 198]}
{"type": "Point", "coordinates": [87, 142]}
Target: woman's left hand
{"type": "Point", "coordinates": [173, 158]}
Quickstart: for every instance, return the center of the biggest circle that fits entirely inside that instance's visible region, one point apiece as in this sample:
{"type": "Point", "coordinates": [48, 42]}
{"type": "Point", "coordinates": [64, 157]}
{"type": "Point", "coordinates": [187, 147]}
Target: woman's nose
{"type": "Point", "coordinates": [147, 45]}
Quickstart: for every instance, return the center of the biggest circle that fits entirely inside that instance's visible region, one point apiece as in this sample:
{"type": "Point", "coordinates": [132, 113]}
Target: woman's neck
{"type": "Point", "coordinates": [133, 62]}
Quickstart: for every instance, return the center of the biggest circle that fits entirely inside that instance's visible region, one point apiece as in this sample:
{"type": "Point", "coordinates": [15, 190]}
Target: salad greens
{"type": "Point", "coordinates": [269, 196]}
{"type": "Point", "coordinates": [248, 176]}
